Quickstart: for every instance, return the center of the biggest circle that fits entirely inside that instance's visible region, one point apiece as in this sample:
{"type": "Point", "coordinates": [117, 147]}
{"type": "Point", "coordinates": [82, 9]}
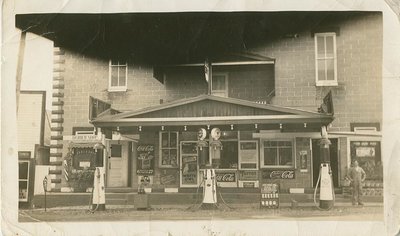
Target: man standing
{"type": "Point", "coordinates": [356, 175]}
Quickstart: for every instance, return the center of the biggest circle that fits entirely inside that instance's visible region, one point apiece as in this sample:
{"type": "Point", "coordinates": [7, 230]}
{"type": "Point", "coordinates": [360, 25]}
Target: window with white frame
{"type": "Point", "coordinates": [277, 153]}
{"type": "Point", "coordinates": [118, 75]}
{"type": "Point", "coordinates": [168, 149]}
{"type": "Point", "coordinates": [219, 84]}
{"type": "Point", "coordinates": [325, 59]}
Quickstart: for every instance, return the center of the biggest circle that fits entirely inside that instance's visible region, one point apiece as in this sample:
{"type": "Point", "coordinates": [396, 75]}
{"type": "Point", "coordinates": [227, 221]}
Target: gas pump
{"type": "Point", "coordinates": [327, 194]}
{"type": "Point", "coordinates": [209, 177]}
{"type": "Point", "coordinates": [210, 188]}
{"type": "Point", "coordinates": [99, 193]}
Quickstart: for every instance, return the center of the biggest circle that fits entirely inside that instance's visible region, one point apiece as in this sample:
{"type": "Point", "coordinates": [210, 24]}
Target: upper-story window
{"type": "Point", "coordinates": [219, 84]}
{"type": "Point", "coordinates": [118, 75]}
{"type": "Point", "coordinates": [325, 59]}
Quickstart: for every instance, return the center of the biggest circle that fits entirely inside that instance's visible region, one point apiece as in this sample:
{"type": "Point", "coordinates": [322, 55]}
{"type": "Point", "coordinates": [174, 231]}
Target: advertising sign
{"type": "Point", "coordinates": [145, 160]}
{"type": "Point", "coordinates": [278, 174]}
{"type": "Point", "coordinates": [248, 175]}
{"type": "Point", "coordinates": [303, 161]}
{"type": "Point", "coordinates": [248, 152]}
{"type": "Point", "coordinates": [226, 176]}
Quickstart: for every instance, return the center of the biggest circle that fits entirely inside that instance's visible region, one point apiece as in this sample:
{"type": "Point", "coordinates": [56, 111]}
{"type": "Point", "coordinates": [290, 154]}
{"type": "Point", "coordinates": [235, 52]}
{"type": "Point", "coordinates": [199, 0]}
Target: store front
{"type": "Point", "coordinates": [247, 144]}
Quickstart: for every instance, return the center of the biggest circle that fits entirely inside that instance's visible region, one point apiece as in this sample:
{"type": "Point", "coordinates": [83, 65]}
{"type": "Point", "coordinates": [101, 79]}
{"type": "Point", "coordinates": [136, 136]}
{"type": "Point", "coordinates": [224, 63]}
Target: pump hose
{"type": "Point", "coordinates": [91, 202]}
{"type": "Point", "coordinates": [223, 201]}
{"type": "Point", "coordinates": [315, 192]}
{"type": "Point", "coordinates": [197, 196]}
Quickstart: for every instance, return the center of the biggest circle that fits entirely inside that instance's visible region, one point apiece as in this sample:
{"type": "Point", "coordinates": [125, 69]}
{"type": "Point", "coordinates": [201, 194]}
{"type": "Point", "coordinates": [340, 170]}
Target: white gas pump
{"type": "Point", "coordinates": [210, 188]}
{"type": "Point", "coordinates": [327, 194]}
{"type": "Point", "coordinates": [99, 193]}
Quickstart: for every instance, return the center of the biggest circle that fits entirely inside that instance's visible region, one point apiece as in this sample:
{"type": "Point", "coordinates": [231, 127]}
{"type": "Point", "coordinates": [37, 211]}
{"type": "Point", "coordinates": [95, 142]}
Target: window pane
{"type": "Point", "coordinates": [116, 150]}
{"type": "Point", "coordinates": [270, 157]}
{"type": "Point", "coordinates": [285, 156]}
{"type": "Point", "coordinates": [23, 170]}
{"type": "Point", "coordinates": [189, 148]}
{"type": "Point", "coordinates": [122, 75]}
{"type": "Point", "coordinates": [164, 140]}
{"type": "Point", "coordinates": [229, 154]}
{"type": "Point", "coordinates": [173, 157]}
{"type": "Point", "coordinates": [165, 157]}
{"type": "Point", "coordinates": [114, 76]}
{"type": "Point", "coordinates": [321, 70]}
{"type": "Point", "coordinates": [330, 69]}
{"type": "Point", "coordinates": [218, 82]}
{"type": "Point", "coordinates": [320, 47]}
{"type": "Point", "coordinates": [172, 140]}
{"type": "Point", "coordinates": [329, 46]}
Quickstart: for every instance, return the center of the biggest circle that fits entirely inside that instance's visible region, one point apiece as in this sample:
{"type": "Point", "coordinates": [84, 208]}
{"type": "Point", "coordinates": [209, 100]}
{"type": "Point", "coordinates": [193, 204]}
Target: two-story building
{"type": "Point", "coordinates": [132, 91]}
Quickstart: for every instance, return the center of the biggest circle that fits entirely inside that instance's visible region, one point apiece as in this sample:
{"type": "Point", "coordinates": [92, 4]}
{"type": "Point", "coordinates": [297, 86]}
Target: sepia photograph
{"type": "Point", "coordinates": [198, 116]}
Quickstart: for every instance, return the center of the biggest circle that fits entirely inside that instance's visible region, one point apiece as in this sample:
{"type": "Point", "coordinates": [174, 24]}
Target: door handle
{"type": "Point", "coordinates": [109, 165]}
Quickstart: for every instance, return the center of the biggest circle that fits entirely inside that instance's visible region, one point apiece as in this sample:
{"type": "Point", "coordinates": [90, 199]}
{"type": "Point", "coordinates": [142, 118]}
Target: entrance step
{"type": "Point", "coordinates": [117, 199]}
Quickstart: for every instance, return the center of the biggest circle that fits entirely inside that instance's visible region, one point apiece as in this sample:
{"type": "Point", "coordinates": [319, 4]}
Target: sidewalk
{"type": "Point", "coordinates": [370, 211]}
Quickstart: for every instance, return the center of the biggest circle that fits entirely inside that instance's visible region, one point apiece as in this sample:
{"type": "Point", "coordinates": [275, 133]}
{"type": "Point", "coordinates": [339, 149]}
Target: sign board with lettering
{"type": "Point", "coordinates": [248, 175]}
{"type": "Point", "coordinates": [248, 155]}
{"type": "Point", "coordinates": [169, 177]}
{"type": "Point", "coordinates": [226, 178]}
{"type": "Point", "coordinates": [85, 138]}
{"type": "Point", "coordinates": [278, 174]}
{"type": "Point", "coordinates": [303, 161]}
{"type": "Point", "coordinates": [24, 154]}
{"type": "Point", "coordinates": [145, 159]}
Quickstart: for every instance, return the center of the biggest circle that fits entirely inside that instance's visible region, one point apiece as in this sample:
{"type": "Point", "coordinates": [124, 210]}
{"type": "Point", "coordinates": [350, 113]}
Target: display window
{"type": "Point", "coordinates": [23, 180]}
{"type": "Point", "coordinates": [277, 153]}
{"type": "Point", "coordinates": [168, 150]}
{"type": "Point", "coordinates": [368, 155]}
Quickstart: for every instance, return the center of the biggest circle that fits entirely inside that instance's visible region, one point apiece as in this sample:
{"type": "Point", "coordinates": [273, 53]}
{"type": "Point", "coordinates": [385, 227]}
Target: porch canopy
{"type": "Point", "coordinates": [208, 111]}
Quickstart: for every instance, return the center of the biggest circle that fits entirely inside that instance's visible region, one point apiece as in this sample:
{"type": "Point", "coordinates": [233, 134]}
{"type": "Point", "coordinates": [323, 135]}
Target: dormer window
{"type": "Point", "coordinates": [118, 76]}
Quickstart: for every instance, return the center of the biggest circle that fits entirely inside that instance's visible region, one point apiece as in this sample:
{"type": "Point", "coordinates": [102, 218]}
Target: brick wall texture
{"type": "Point", "coordinates": [357, 98]}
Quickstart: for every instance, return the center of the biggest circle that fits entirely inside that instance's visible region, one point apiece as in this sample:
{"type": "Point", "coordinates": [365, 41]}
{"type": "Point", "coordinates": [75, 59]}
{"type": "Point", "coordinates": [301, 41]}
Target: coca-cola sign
{"type": "Point", "coordinates": [145, 159]}
{"type": "Point", "coordinates": [226, 177]}
{"type": "Point", "coordinates": [278, 174]}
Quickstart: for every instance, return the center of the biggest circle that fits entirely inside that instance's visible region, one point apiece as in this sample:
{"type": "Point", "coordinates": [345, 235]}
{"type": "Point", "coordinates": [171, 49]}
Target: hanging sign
{"type": "Point", "coordinates": [145, 159]}
{"type": "Point", "coordinates": [278, 174]}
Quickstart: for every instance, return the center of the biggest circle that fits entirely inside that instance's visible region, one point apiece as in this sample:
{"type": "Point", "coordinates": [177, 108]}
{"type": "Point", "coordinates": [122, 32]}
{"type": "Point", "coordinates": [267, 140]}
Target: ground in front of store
{"type": "Point", "coordinates": [368, 212]}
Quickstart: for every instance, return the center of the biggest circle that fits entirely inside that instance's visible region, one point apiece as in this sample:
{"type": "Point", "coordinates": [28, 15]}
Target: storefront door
{"type": "Point", "coordinates": [117, 168]}
{"type": "Point", "coordinates": [189, 167]}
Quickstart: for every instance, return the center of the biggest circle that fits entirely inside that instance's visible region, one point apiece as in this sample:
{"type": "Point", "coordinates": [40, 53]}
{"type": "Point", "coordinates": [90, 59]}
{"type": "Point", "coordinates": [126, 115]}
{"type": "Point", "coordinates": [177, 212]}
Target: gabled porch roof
{"type": "Point", "coordinates": [212, 110]}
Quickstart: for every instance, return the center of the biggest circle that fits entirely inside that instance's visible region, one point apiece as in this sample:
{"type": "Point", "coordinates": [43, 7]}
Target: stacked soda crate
{"type": "Point", "coordinates": [269, 196]}
{"type": "Point", "coordinates": [373, 188]}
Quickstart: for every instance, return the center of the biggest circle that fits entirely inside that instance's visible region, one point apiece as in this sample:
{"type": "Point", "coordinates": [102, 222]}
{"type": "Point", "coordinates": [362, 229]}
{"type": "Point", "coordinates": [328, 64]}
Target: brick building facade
{"type": "Point", "coordinates": [274, 77]}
